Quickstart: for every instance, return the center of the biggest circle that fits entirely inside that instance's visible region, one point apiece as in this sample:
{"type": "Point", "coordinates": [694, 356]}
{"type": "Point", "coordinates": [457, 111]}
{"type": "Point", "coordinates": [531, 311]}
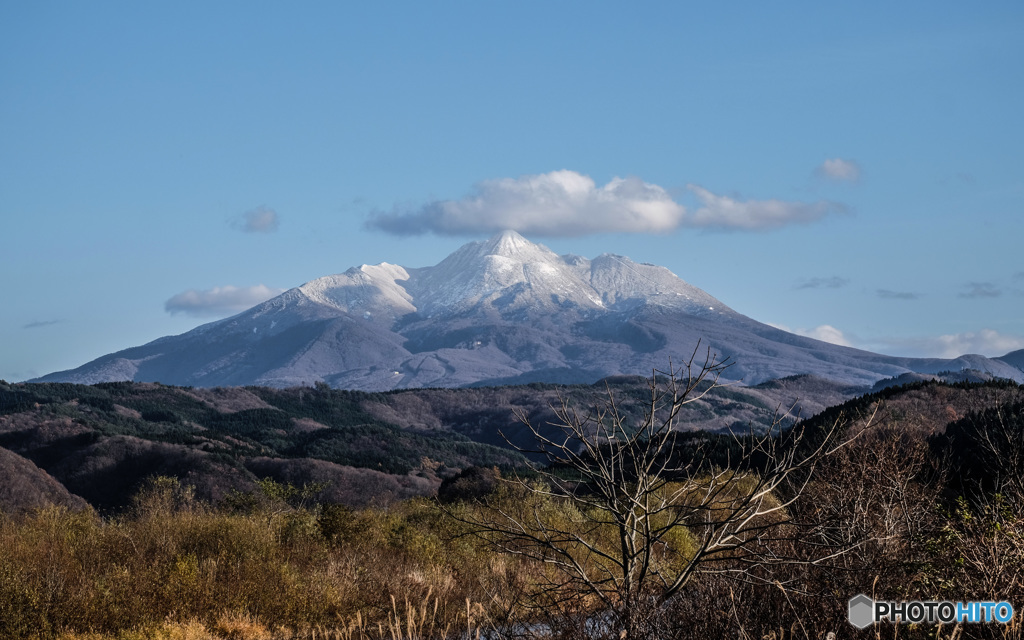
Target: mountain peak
{"type": "Point", "coordinates": [509, 244]}
{"type": "Point", "coordinates": [508, 235]}
{"type": "Point", "coordinates": [499, 310]}
{"type": "Point", "coordinates": [481, 271]}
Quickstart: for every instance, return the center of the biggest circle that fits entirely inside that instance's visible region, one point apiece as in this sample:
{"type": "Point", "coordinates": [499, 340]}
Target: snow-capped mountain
{"type": "Point", "coordinates": [501, 311]}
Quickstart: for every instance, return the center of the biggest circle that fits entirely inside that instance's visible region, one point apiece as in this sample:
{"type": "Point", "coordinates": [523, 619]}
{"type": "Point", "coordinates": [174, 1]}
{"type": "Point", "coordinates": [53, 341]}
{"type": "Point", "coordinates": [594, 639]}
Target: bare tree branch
{"type": "Point", "coordinates": [625, 517]}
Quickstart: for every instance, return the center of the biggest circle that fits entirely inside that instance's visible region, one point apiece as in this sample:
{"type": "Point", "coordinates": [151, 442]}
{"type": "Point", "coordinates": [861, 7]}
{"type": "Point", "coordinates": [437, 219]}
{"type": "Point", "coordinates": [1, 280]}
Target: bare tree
{"type": "Point", "coordinates": [628, 510]}
{"type": "Point", "coordinates": [985, 528]}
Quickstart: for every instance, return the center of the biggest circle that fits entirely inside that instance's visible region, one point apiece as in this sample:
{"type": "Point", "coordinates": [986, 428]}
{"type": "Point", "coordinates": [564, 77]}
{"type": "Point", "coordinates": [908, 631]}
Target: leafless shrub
{"type": "Point", "coordinates": [623, 517]}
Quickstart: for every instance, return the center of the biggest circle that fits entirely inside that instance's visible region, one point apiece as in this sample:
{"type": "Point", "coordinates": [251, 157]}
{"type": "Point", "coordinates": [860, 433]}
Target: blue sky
{"type": "Point", "coordinates": [852, 173]}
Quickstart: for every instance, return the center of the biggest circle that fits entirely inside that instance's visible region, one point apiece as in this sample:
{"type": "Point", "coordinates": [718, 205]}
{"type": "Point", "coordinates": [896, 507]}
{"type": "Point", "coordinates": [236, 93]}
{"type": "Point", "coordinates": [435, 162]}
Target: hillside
{"type": "Point", "coordinates": [100, 442]}
{"type": "Point", "coordinates": [25, 486]}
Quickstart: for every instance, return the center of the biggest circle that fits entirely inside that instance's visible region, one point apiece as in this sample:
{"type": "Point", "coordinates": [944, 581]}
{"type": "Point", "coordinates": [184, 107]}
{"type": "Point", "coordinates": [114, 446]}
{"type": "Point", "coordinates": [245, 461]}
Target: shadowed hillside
{"type": "Point", "coordinates": [100, 442]}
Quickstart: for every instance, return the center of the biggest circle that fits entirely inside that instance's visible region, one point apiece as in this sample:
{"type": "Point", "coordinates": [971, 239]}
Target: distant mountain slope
{"type": "Point", "coordinates": [1014, 359]}
{"type": "Point", "coordinates": [502, 311]}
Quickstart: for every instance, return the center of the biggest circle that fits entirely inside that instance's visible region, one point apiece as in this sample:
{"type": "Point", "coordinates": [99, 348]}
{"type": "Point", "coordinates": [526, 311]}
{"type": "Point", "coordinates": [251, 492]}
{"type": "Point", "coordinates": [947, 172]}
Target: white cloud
{"type": "Point", "coordinates": [560, 203]}
{"type": "Point", "coordinates": [755, 215]}
{"type": "Point", "coordinates": [986, 342]}
{"type": "Point", "coordinates": [567, 203]}
{"type": "Point", "coordinates": [825, 333]}
{"type": "Point", "coordinates": [219, 301]}
{"type": "Point", "coordinates": [258, 220]}
{"type": "Point", "coordinates": [839, 169]}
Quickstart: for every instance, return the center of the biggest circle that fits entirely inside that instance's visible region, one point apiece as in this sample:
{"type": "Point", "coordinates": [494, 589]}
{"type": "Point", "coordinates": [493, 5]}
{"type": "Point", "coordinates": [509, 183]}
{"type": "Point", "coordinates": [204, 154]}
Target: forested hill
{"type": "Point", "coordinates": [102, 441]}
{"type": "Point", "coordinates": [65, 442]}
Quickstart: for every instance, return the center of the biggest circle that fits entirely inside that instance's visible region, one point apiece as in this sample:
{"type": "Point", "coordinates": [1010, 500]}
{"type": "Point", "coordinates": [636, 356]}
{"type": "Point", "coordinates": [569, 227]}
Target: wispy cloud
{"type": "Point", "coordinates": [827, 333]}
{"type": "Point", "coordinates": [888, 294]}
{"type": "Point", "coordinates": [219, 301]}
{"type": "Point", "coordinates": [839, 169]}
{"type": "Point", "coordinates": [724, 212]}
{"type": "Point", "coordinates": [834, 282]}
{"type": "Point", "coordinates": [987, 342]}
{"type": "Point", "coordinates": [258, 220]}
{"type": "Point", "coordinates": [36, 324]}
{"type": "Point", "coordinates": [566, 203]}
{"type": "Point", "coordinates": [980, 290]}
{"type": "Point", "coordinates": [824, 332]}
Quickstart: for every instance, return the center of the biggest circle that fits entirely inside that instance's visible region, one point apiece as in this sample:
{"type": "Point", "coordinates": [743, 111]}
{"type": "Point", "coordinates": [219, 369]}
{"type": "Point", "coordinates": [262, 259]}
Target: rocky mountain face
{"type": "Point", "coordinates": [497, 312]}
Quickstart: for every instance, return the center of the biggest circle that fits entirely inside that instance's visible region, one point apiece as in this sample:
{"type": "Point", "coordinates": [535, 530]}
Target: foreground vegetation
{"type": "Point", "coordinates": [926, 503]}
{"type": "Point", "coordinates": [240, 570]}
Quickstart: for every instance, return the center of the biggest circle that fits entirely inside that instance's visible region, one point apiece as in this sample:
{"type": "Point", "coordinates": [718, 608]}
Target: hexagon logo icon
{"type": "Point", "coordinates": [861, 608]}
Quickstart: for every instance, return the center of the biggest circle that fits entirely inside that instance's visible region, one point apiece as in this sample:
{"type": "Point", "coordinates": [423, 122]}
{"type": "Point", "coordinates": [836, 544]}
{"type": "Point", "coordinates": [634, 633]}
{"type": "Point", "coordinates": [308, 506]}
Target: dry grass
{"type": "Point", "coordinates": [176, 569]}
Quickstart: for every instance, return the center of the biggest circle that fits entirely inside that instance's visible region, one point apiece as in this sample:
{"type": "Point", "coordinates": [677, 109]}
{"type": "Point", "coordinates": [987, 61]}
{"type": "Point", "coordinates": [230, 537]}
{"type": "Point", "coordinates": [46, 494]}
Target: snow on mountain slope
{"type": "Point", "coordinates": [501, 311]}
{"type": "Point", "coordinates": [507, 271]}
{"type": "Point", "coordinates": [367, 290]}
{"type": "Point", "coordinates": [624, 283]}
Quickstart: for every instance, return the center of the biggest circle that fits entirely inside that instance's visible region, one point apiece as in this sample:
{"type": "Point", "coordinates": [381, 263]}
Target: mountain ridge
{"type": "Point", "coordinates": [499, 311]}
